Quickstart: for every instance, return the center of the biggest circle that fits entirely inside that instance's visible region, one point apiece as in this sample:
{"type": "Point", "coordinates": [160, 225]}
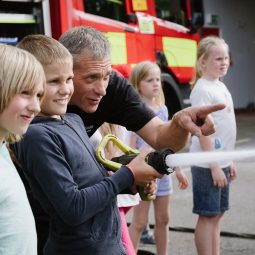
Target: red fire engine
{"type": "Point", "coordinates": [163, 31]}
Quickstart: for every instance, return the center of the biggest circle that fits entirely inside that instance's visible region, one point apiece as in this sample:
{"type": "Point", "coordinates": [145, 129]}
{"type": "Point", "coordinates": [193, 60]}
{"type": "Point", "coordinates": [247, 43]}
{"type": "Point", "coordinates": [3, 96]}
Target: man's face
{"type": "Point", "coordinates": [91, 78]}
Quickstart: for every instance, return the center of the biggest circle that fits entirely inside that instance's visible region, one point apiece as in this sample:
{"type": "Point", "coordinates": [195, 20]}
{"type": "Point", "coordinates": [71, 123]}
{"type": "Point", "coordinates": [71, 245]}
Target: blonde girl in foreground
{"type": "Point", "coordinates": [21, 89]}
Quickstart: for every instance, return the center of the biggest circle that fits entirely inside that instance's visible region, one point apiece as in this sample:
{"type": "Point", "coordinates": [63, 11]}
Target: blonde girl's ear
{"type": "Point", "coordinates": [200, 66]}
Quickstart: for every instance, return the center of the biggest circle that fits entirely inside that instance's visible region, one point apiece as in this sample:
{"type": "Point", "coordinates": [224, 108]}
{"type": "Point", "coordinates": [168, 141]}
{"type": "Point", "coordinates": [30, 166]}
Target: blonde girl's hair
{"type": "Point", "coordinates": [110, 149]}
{"type": "Point", "coordinates": [140, 72]}
{"type": "Point", "coordinates": [46, 49]}
{"type": "Point", "coordinates": [19, 72]}
{"type": "Point", "coordinates": [203, 50]}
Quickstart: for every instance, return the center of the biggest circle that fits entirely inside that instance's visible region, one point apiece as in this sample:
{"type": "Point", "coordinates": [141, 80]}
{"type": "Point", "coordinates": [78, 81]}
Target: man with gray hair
{"type": "Point", "coordinates": [101, 95]}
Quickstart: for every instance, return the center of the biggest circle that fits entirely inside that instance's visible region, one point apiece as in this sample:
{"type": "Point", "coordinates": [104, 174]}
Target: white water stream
{"type": "Point", "coordinates": [195, 158]}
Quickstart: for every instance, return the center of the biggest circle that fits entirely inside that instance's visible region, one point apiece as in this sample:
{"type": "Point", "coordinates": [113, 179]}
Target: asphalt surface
{"type": "Point", "coordinates": [238, 224]}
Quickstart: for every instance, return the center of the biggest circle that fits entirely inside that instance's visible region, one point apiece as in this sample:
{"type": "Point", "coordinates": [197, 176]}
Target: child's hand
{"type": "Point", "coordinates": [110, 173]}
{"type": "Point", "coordinates": [219, 178]}
{"type": "Point", "coordinates": [151, 189]}
{"type": "Point", "coordinates": [182, 178]}
{"type": "Point", "coordinates": [233, 171]}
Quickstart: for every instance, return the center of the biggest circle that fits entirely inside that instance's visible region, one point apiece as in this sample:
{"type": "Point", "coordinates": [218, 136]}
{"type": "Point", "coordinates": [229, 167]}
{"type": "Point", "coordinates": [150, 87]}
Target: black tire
{"type": "Point", "coordinates": [173, 98]}
{"type": "Point", "coordinates": [142, 252]}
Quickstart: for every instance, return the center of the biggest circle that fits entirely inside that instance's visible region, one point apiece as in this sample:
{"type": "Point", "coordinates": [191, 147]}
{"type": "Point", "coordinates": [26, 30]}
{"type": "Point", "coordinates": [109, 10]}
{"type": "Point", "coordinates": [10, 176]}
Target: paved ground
{"type": "Point", "coordinates": [238, 225]}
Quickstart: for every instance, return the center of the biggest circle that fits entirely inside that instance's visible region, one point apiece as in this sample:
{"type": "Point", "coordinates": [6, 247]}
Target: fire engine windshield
{"type": "Point", "coordinates": [113, 9]}
{"type": "Point", "coordinates": [176, 11]}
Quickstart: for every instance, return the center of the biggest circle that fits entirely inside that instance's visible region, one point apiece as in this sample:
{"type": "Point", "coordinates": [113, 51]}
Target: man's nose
{"type": "Point", "coordinates": [100, 87]}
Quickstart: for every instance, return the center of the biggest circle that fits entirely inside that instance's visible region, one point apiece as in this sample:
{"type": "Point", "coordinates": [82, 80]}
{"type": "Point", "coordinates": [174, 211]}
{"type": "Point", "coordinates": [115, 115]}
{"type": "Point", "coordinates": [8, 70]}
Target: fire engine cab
{"type": "Point", "coordinates": [163, 31]}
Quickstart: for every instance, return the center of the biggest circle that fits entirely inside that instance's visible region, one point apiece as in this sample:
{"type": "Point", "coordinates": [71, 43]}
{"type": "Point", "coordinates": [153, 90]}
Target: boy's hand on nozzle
{"type": "Point", "coordinates": [143, 173]}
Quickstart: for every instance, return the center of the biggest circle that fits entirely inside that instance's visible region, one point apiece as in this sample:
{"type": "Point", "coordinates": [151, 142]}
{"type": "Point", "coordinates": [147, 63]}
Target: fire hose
{"type": "Point", "coordinates": [165, 160]}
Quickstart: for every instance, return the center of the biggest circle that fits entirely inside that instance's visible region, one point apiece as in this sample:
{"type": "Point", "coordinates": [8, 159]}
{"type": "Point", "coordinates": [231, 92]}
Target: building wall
{"type": "Point", "coordinates": [237, 27]}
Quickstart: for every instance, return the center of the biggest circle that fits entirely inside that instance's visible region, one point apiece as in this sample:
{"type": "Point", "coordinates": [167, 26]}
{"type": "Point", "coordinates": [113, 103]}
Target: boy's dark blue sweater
{"type": "Point", "coordinates": [72, 187]}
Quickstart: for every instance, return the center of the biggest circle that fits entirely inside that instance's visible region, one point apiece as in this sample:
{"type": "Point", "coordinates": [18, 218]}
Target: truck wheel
{"type": "Point", "coordinates": [173, 98]}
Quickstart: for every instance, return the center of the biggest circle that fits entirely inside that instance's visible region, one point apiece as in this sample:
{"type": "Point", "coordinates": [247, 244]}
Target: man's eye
{"type": "Point", "coordinates": [107, 77]}
{"type": "Point", "coordinates": [91, 78]}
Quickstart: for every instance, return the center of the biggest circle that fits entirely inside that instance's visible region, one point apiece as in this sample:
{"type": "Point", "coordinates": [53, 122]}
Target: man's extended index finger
{"type": "Point", "coordinates": [205, 110]}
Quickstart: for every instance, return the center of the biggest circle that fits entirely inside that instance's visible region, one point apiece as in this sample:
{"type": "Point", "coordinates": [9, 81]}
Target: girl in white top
{"type": "Point", "coordinates": [125, 201]}
{"type": "Point", "coordinates": [146, 78]}
{"type": "Point", "coordinates": [211, 181]}
{"type": "Point", "coordinates": [21, 89]}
